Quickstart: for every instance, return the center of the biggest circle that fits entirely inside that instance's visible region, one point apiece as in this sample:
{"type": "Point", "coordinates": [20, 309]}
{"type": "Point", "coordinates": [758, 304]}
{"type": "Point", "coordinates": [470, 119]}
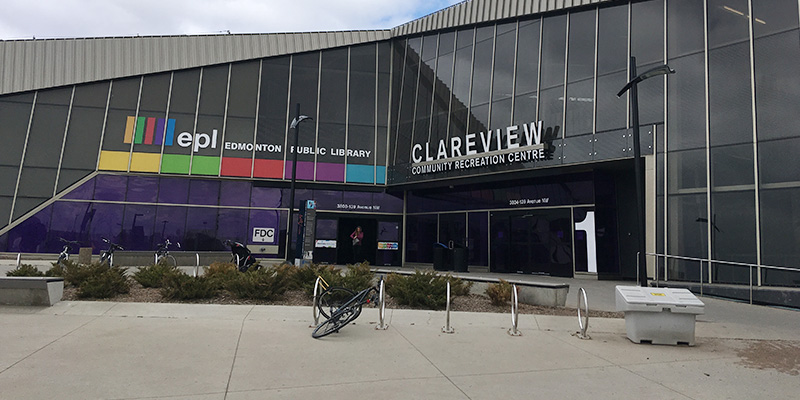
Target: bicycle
{"type": "Point", "coordinates": [107, 256]}
{"type": "Point", "coordinates": [64, 256]}
{"type": "Point", "coordinates": [241, 256]}
{"type": "Point", "coordinates": [347, 312]}
{"type": "Point", "coordinates": [162, 254]}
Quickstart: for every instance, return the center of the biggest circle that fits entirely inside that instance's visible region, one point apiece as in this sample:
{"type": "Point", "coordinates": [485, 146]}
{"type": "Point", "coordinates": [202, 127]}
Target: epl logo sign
{"type": "Point", "coordinates": [264, 235]}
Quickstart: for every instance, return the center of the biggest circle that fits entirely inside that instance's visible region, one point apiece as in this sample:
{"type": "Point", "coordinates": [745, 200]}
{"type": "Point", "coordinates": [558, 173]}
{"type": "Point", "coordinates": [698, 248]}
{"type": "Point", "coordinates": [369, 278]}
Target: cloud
{"type": "Point", "coordinates": [96, 18]}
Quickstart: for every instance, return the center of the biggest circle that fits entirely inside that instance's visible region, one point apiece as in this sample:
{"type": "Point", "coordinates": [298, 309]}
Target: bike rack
{"type": "Point", "coordinates": [19, 259]}
{"type": "Point", "coordinates": [315, 303]}
{"type": "Point", "coordinates": [382, 308]}
{"type": "Point", "coordinates": [197, 265]}
{"type": "Point", "coordinates": [583, 321]}
{"type": "Point", "coordinates": [447, 328]}
{"type": "Point", "coordinates": [514, 312]}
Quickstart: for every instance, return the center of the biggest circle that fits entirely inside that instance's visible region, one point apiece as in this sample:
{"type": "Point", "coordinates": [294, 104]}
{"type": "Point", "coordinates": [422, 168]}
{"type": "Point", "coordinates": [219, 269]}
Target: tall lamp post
{"type": "Point", "coordinates": [296, 126]}
{"type": "Point", "coordinates": [631, 88]}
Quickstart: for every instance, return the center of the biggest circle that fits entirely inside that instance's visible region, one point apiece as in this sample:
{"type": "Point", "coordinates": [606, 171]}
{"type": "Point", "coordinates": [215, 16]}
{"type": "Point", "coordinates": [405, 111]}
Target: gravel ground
{"type": "Point", "coordinates": [472, 302]}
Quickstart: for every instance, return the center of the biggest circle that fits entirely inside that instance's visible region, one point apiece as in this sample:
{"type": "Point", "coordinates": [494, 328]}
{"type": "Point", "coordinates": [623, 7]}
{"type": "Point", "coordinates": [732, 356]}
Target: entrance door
{"type": "Point", "coordinates": [532, 242]}
{"type": "Point", "coordinates": [345, 245]}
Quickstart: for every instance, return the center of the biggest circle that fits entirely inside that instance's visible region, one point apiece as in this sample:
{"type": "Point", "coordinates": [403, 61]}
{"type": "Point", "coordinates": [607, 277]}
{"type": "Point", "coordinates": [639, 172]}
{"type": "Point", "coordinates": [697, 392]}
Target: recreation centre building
{"type": "Point", "coordinates": [490, 125]}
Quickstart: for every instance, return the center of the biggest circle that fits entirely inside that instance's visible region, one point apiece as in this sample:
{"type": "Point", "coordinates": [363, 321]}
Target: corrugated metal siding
{"type": "Point", "coordinates": [478, 11]}
{"type": "Point", "coordinates": [35, 64]}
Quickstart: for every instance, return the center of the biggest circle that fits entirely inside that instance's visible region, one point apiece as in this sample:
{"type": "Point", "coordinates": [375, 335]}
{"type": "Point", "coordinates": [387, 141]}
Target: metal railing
{"type": "Point", "coordinates": [514, 312]}
{"type": "Point", "coordinates": [707, 262]}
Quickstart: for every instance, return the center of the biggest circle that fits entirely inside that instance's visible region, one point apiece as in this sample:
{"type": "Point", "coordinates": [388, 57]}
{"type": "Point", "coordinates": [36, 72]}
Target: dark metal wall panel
{"type": "Point", "coordinates": [36, 64]}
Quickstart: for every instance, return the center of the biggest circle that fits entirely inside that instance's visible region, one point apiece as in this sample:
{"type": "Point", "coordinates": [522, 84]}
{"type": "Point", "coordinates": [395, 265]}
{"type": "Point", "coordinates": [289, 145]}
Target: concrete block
{"type": "Point", "coordinates": [31, 291]}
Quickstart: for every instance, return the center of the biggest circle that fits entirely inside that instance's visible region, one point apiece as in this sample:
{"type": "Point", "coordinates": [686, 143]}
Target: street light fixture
{"type": "Point", "coordinates": [296, 126]}
{"type": "Point", "coordinates": [631, 88]}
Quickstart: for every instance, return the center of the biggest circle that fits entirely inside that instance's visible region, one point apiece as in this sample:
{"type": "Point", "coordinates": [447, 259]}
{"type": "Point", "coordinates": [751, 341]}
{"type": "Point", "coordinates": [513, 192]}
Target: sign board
{"type": "Point", "coordinates": [388, 246]}
{"type": "Point", "coordinates": [263, 235]}
{"type": "Point", "coordinates": [325, 244]}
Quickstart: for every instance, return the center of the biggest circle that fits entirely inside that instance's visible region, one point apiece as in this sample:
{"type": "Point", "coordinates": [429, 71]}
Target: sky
{"type": "Point", "coordinates": [26, 19]}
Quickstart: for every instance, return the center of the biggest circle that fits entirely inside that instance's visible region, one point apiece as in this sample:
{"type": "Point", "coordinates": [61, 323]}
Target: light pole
{"type": "Point", "coordinates": [296, 126]}
{"type": "Point", "coordinates": [631, 88]}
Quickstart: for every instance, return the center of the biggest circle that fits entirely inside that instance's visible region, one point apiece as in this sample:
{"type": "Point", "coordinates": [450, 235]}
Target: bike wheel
{"type": "Point", "coordinates": [336, 322]}
{"type": "Point", "coordinates": [332, 298]}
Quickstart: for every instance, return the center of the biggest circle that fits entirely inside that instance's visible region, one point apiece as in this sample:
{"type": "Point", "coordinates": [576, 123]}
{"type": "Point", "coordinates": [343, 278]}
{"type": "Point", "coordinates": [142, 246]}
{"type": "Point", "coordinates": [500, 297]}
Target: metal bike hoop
{"type": "Point", "coordinates": [19, 259]}
{"type": "Point", "coordinates": [514, 312]}
{"type": "Point", "coordinates": [583, 320]}
{"type": "Point", "coordinates": [382, 308]}
{"type": "Point", "coordinates": [447, 328]}
{"type": "Point", "coordinates": [315, 303]}
{"type": "Point", "coordinates": [197, 265]}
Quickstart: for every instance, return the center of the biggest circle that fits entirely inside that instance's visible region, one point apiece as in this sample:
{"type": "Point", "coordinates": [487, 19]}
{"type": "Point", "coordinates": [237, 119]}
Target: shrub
{"type": "Point", "coordinates": [56, 270]}
{"type": "Point", "coordinates": [75, 274]}
{"type": "Point", "coordinates": [153, 276]}
{"type": "Point", "coordinates": [425, 289]}
{"type": "Point", "coordinates": [305, 276]}
{"type": "Point", "coordinates": [499, 293]}
{"type": "Point", "coordinates": [357, 277]}
{"type": "Point", "coordinates": [185, 287]}
{"type": "Point", "coordinates": [104, 283]}
{"type": "Point", "coordinates": [219, 273]}
{"type": "Point", "coordinates": [262, 284]}
{"type": "Point", "coordinates": [25, 270]}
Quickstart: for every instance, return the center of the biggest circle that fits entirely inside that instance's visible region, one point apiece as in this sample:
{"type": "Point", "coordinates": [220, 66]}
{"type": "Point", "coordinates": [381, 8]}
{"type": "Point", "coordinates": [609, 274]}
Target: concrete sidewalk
{"type": "Point", "coordinates": [106, 350]}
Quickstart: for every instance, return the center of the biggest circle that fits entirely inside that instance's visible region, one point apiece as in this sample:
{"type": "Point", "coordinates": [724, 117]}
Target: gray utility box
{"type": "Point", "coordinates": [659, 315]}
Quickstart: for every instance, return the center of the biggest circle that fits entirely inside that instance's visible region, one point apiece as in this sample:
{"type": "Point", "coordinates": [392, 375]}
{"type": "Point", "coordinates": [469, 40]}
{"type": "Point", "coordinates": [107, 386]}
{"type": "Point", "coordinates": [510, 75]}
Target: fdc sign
{"type": "Point", "coordinates": [264, 235]}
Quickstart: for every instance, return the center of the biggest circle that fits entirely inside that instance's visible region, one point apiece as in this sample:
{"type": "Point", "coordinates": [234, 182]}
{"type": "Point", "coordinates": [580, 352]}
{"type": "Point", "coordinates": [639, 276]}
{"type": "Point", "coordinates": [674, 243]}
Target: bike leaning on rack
{"type": "Point", "coordinates": [241, 256]}
{"type": "Point", "coordinates": [64, 256]}
{"type": "Point", "coordinates": [347, 312]}
{"type": "Point", "coordinates": [162, 254]}
{"type": "Point", "coordinates": [107, 256]}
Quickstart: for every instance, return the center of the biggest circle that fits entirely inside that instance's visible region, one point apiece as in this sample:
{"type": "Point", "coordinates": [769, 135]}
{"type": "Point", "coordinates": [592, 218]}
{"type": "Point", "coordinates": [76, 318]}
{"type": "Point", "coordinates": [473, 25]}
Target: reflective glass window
{"type": "Point", "coordinates": [138, 227]}
{"type": "Point", "coordinates": [305, 82]}
{"type": "Point", "coordinates": [427, 77]}
{"type": "Point", "coordinates": [232, 225]}
{"type": "Point", "coordinates": [240, 125]}
{"type": "Point", "coordinates": [84, 132]}
{"type": "Point", "coordinates": [150, 126]}
{"type": "Point", "coordinates": [119, 133]}
{"type": "Point", "coordinates": [182, 110]}
{"type": "Point", "coordinates": [47, 128]}
{"type": "Point", "coordinates": [15, 112]}
{"type": "Point", "coordinates": [170, 223]}
{"type": "Point", "coordinates": [580, 72]}
{"type": "Point", "coordinates": [612, 67]}
{"type": "Point", "coordinates": [408, 97]}
{"type": "Point", "coordinates": [333, 113]}
{"type": "Point", "coordinates": [201, 230]}
{"type": "Point", "coordinates": [204, 192]}
{"type": "Point", "coordinates": [685, 20]}
{"type": "Point", "coordinates": [527, 72]}
{"type": "Point", "coordinates": [272, 124]}
{"type": "Point", "coordinates": [234, 193]}
{"type": "Point", "coordinates": [551, 94]}
{"type": "Point", "coordinates": [647, 31]}
{"type": "Point", "coordinates": [733, 230]}
{"type": "Point", "coordinates": [173, 190]}
{"type": "Point", "coordinates": [780, 230]}
{"type": "Point", "coordinates": [110, 187]}
{"type": "Point", "coordinates": [442, 86]}
{"type": "Point", "coordinates": [421, 232]}
{"type": "Point", "coordinates": [777, 84]}
{"type": "Point", "coordinates": [687, 170]}
{"type": "Point", "coordinates": [732, 165]}
{"type": "Point", "coordinates": [142, 189]}
{"type": "Point", "coordinates": [462, 75]}
{"type": "Point", "coordinates": [686, 126]}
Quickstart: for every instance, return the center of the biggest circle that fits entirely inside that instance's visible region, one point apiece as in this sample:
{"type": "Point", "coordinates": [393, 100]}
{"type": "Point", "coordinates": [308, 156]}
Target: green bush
{"type": "Point", "coordinates": [104, 283]}
{"type": "Point", "coordinates": [499, 293]}
{"type": "Point", "coordinates": [56, 270]}
{"type": "Point", "coordinates": [357, 277]}
{"type": "Point", "coordinates": [25, 270]}
{"type": "Point", "coordinates": [75, 274]}
{"type": "Point", "coordinates": [263, 284]}
{"type": "Point", "coordinates": [185, 287]}
{"type": "Point", "coordinates": [220, 273]}
{"type": "Point", "coordinates": [306, 275]}
{"type": "Point", "coordinates": [424, 289]}
{"type": "Point", "coordinates": [153, 276]}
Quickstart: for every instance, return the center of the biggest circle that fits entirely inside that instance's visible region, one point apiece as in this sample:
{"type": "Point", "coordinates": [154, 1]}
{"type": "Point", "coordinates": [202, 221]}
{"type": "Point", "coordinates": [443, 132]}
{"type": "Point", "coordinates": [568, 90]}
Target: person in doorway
{"type": "Point", "coordinates": [358, 238]}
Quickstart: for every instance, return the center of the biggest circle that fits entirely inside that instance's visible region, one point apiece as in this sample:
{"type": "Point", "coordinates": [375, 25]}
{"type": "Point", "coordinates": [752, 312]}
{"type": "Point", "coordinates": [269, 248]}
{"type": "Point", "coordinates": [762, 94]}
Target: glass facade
{"type": "Point", "coordinates": [480, 107]}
